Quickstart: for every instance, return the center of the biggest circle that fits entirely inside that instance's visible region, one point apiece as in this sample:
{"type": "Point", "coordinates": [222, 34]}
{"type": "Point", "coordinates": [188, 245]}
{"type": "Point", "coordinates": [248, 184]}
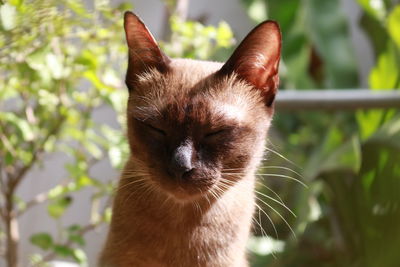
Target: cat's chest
{"type": "Point", "coordinates": [203, 245]}
{"type": "Point", "coordinates": [208, 236]}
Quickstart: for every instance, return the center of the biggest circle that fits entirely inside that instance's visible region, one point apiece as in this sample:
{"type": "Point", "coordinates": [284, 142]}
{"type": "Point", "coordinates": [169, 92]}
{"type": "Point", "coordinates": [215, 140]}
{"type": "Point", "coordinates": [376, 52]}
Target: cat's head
{"type": "Point", "coordinates": [195, 125]}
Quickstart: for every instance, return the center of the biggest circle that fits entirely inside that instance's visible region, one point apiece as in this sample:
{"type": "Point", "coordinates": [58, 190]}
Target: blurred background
{"type": "Point", "coordinates": [329, 190]}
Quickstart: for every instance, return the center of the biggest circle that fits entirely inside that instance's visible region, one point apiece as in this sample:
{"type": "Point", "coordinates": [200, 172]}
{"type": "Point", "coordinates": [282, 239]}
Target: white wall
{"type": "Point", "coordinates": [52, 173]}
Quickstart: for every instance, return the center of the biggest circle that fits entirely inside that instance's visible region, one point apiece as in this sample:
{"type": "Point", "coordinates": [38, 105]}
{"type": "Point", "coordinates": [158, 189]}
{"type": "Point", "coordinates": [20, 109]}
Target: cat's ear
{"type": "Point", "coordinates": [256, 60]}
{"type": "Point", "coordinates": [144, 52]}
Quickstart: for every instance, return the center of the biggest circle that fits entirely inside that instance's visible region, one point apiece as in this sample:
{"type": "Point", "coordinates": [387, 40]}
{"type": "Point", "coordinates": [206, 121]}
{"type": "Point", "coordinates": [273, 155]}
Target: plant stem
{"type": "Point", "coordinates": [11, 229]}
{"type": "Point", "coordinates": [9, 214]}
{"type": "Point", "coordinates": [38, 199]}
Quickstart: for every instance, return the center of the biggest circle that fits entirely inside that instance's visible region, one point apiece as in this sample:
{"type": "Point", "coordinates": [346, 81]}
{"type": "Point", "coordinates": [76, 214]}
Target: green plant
{"type": "Point", "coordinates": [60, 61]}
{"type": "Point", "coordinates": [349, 213]}
{"type": "Point", "coordinates": [56, 70]}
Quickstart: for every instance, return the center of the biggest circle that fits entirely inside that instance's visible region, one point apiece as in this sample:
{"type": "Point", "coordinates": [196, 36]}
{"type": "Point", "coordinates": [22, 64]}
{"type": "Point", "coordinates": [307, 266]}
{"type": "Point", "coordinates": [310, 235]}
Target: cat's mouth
{"type": "Point", "coordinates": [191, 186]}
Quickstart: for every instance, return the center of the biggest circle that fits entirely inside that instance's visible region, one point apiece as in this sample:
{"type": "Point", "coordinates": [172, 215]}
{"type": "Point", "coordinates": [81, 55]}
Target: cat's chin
{"type": "Point", "coordinates": [186, 191]}
{"type": "Point", "coordinates": [182, 194]}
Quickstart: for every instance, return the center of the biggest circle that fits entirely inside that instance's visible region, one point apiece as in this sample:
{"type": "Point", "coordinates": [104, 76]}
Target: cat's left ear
{"type": "Point", "coordinates": [256, 60]}
{"type": "Point", "coordinates": [144, 53]}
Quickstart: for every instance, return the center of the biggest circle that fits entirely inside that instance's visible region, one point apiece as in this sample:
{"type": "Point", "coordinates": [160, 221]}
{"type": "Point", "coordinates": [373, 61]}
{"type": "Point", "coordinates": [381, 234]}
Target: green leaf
{"type": "Point", "coordinates": [94, 79]}
{"type": "Point", "coordinates": [107, 215]}
{"type": "Point", "coordinates": [24, 129]}
{"type": "Point", "coordinates": [74, 228]}
{"type": "Point", "coordinates": [224, 35]}
{"type": "Point", "coordinates": [334, 154]}
{"type": "Point", "coordinates": [84, 180]}
{"type": "Point", "coordinates": [376, 32]}
{"type": "Point", "coordinates": [88, 59]}
{"type": "Point", "coordinates": [286, 14]}
{"type": "Point", "coordinates": [78, 239]}
{"type": "Point", "coordinates": [369, 122]}
{"type": "Point", "coordinates": [55, 66]}
{"type": "Point", "coordinates": [393, 25]}
{"type": "Point", "coordinates": [93, 149]}
{"type": "Point", "coordinates": [8, 16]}
{"type": "Point", "coordinates": [115, 155]}
{"type": "Point", "coordinates": [78, 7]}
{"type": "Point", "coordinates": [37, 59]}
{"type": "Point", "coordinates": [56, 192]}
{"type": "Point", "coordinates": [375, 8]}
{"type": "Point", "coordinates": [9, 158]}
{"type": "Point", "coordinates": [48, 99]}
{"type": "Point", "coordinates": [42, 240]}
{"type": "Point", "coordinates": [63, 251]}
{"type": "Point", "coordinates": [57, 208]}
{"type": "Point", "coordinates": [385, 74]}
{"type": "Point", "coordinates": [388, 134]}
{"type": "Point", "coordinates": [16, 2]}
{"type": "Point", "coordinates": [35, 259]}
{"type": "Point", "coordinates": [80, 256]}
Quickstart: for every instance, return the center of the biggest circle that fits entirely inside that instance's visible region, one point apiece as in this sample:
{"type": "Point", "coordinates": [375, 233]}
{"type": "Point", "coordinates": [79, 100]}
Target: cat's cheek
{"type": "Point", "coordinates": [146, 145]}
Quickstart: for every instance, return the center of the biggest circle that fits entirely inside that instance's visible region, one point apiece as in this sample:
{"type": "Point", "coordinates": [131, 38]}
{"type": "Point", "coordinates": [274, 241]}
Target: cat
{"type": "Point", "coordinates": [196, 131]}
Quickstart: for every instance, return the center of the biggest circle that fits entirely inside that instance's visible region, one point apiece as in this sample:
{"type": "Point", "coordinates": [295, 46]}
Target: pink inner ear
{"type": "Point", "coordinates": [144, 52]}
{"type": "Point", "coordinates": [256, 60]}
{"type": "Point", "coordinates": [137, 34]}
{"type": "Point", "coordinates": [259, 70]}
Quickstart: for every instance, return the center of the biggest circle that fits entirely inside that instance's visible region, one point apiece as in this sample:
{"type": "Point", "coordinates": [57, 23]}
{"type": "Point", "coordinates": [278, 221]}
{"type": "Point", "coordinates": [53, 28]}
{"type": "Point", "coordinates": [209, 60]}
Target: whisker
{"type": "Point", "coordinates": [206, 197]}
{"type": "Point", "coordinates": [280, 215]}
{"type": "Point", "coordinates": [224, 186]}
{"type": "Point", "coordinates": [232, 173]}
{"type": "Point", "coordinates": [165, 201]}
{"type": "Point", "coordinates": [146, 191]}
{"type": "Point", "coordinates": [129, 183]}
{"type": "Point", "coordinates": [282, 168]}
{"type": "Point", "coordinates": [233, 169]}
{"type": "Point", "coordinates": [272, 191]}
{"type": "Point", "coordinates": [283, 176]}
{"type": "Point", "coordinates": [276, 201]}
{"type": "Point", "coordinates": [269, 218]}
{"type": "Point", "coordinates": [197, 205]}
{"type": "Point", "coordinates": [263, 233]}
{"type": "Point", "coordinates": [281, 156]}
{"type": "Point", "coordinates": [226, 181]}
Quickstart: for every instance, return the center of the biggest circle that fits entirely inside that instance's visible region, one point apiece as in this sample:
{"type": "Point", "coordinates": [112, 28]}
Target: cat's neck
{"type": "Point", "coordinates": [212, 230]}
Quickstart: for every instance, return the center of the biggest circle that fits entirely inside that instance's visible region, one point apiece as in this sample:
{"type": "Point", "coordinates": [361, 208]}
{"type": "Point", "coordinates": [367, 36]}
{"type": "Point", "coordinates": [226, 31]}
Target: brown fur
{"type": "Point", "coordinates": [203, 219]}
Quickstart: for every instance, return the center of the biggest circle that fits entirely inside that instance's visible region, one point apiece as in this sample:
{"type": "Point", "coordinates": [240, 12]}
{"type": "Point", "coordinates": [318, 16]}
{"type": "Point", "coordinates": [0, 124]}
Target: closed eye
{"type": "Point", "coordinates": [215, 133]}
{"type": "Point", "coordinates": [152, 128]}
{"type": "Point", "coordinates": [155, 129]}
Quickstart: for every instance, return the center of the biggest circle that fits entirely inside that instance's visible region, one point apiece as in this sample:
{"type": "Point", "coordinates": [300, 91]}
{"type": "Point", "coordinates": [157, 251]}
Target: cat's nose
{"type": "Point", "coordinates": [181, 161]}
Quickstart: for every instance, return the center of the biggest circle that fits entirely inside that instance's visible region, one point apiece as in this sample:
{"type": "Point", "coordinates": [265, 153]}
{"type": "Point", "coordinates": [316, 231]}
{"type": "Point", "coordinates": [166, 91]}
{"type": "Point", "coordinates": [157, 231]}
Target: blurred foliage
{"type": "Point", "coordinates": [191, 39]}
{"type": "Point", "coordinates": [316, 47]}
{"type": "Point", "coordinates": [350, 213]}
{"type": "Point", "coordinates": [56, 71]}
{"type": "Point", "coordinates": [60, 63]}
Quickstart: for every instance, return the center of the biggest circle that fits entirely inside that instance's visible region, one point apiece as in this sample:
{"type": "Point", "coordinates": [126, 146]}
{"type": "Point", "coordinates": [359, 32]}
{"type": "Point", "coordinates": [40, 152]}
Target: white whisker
{"type": "Point", "coordinates": [283, 176]}
{"type": "Point", "coordinates": [276, 201]}
{"type": "Point", "coordinates": [280, 215]}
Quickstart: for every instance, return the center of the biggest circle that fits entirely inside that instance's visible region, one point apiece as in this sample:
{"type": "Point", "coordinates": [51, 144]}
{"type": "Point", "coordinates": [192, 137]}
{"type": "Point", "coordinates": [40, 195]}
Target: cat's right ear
{"type": "Point", "coordinates": [256, 60]}
{"type": "Point", "coordinates": [144, 53]}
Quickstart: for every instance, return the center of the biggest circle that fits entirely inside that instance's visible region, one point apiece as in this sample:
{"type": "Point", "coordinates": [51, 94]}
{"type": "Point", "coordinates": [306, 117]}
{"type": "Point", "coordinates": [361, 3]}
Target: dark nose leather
{"type": "Point", "coordinates": [181, 161]}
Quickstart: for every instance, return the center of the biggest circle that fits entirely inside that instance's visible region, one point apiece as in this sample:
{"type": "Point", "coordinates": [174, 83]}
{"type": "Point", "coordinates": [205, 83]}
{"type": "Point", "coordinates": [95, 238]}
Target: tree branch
{"type": "Point", "coordinates": [38, 199]}
{"type": "Point", "coordinates": [22, 172]}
